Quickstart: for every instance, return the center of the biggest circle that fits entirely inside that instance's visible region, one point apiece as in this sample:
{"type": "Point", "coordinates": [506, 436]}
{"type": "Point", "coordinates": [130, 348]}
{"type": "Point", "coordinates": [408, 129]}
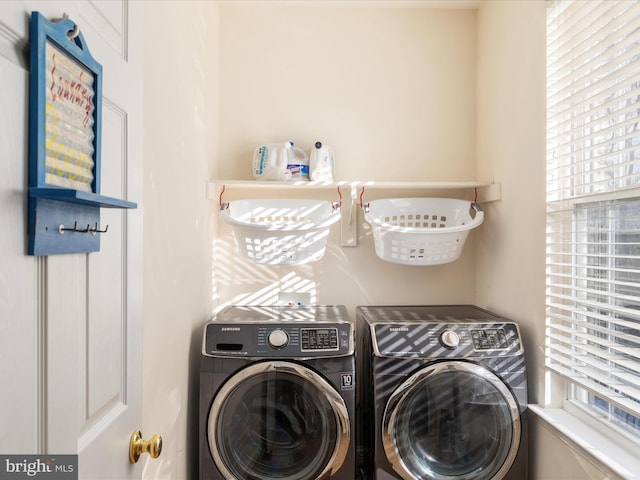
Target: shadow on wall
{"type": "Point", "coordinates": [247, 283]}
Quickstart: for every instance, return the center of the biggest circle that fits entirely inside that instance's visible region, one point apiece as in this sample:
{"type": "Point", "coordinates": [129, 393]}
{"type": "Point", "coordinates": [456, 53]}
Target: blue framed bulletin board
{"type": "Point", "coordinates": [65, 116]}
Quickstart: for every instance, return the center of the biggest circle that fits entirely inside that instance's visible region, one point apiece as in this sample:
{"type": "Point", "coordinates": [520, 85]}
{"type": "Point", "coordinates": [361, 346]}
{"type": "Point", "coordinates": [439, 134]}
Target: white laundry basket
{"type": "Point", "coordinates": [421, 231]}
{"type": "Point", "coordinates": [280, 231]}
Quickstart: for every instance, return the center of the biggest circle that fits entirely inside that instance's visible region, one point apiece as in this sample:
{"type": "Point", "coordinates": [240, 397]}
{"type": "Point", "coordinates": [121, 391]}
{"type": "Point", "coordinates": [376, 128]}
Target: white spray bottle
{"type": "Point", "coordinates": [321, 163]}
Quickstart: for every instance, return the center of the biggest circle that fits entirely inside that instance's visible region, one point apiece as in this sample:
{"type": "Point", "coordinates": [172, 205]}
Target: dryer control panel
{"type": "Point", "coordinates": [273, 340]}
{"type": "Point", "coordinates": [489, 338]}
{"type": "Point", "coordinates": [446, 340]}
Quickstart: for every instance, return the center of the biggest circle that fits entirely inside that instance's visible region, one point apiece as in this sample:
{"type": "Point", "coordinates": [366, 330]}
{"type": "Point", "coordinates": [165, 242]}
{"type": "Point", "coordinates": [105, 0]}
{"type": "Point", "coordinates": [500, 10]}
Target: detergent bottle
{"type": "Point", "coordinates": [270, 161]}
{"type": "Point", "coordinates": [321, 163]}
{"type": "Point", "coordinates": [298, 163]}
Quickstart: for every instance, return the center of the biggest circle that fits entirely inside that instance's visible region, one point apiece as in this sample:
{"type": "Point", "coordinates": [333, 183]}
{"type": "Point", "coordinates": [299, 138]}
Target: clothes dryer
{"type": "Point", "coordinates": [447, 392]}
{"type": "Point", "coordinates": [277, 394]}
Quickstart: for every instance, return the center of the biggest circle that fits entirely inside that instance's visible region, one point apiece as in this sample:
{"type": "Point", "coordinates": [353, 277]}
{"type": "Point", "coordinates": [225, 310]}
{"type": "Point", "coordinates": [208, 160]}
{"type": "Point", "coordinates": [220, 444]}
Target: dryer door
{"type": "Point", "coordinates": [452, 420]}
{"type": "Point", "coordinates": [278, 420]}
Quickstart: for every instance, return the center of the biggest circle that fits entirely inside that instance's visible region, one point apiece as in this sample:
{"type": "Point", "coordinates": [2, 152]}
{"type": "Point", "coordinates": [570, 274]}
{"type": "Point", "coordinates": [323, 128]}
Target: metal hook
{"type": "Point", "coordinates": [361, 195]}
{"type": "Point", "coordinates": [221, 192]}
{"type": "Point", "coordinates": [95, 229]}
{"type": "Point", "coordinates": [71, 34]}
{"type": "Point", "coordinates": [75, 228]}
{"type": "Point", "coordinates": [62, 228]}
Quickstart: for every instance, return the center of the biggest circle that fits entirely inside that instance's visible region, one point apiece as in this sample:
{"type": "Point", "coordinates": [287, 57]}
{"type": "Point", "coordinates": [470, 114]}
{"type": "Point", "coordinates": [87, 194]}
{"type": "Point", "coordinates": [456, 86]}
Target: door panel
{"type": "Point", "coordinates": [107, 317]}
{"type": "Point", "coordinates": [75, 320]}
{"type": "Point", "coordinates": [65, 277]}
{"type": "Point", "coordinates": [108, 19]}
{"type": "Point", "coordinates": [20, 319]}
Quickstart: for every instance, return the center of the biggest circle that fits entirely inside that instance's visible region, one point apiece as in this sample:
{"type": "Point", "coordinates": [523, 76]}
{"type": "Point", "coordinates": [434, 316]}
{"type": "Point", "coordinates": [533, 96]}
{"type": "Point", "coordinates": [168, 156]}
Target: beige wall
{"type": "Point", "coordinates": [510, 262]}
{"type": "Point", "coordinates": [554, 459]}
{"type": "Point", "coordinates": [511, 149]}
{"type": "Point", "coordinates": [401, 94]}
{"type": "Point", "coordinates": [180, 138]}
{"type": "Point", "coordinates": [391, 90]}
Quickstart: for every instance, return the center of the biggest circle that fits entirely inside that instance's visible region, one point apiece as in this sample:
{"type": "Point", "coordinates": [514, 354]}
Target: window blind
{"type": "Point", "coordinates": [593, 204]}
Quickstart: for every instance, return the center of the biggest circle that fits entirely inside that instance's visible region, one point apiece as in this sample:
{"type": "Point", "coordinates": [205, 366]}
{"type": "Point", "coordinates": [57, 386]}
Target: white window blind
{"type": "Point", "coordinates": [593, 205]}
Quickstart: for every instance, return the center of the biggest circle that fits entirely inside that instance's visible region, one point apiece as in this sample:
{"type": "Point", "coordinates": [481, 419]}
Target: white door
{"type": "Point", "coordinates": [70, 332]}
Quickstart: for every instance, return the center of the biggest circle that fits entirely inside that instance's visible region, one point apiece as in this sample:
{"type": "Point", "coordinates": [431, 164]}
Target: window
{"type": "Point", "coordinates": [593, 207]}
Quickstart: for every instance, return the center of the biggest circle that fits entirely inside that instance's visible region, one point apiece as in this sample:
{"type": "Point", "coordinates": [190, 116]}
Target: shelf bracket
{"type": "Point", "coordinates": [349, 220]}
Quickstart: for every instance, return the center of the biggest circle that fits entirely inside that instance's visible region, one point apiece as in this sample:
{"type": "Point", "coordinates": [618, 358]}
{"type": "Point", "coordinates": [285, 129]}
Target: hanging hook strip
{"type": "Point", "coordinates": [75, 229]}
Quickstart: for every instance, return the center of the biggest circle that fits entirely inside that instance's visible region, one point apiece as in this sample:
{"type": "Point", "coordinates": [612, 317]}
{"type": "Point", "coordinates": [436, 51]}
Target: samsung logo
{"type": "Point", "coordinates": [399, 329]}
{"type": "Point", "coordinates": [230, 329]}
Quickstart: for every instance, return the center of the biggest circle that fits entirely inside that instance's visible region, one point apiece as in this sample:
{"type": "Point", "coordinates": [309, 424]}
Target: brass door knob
{"type": "Point", "coordinates": [138, 446]}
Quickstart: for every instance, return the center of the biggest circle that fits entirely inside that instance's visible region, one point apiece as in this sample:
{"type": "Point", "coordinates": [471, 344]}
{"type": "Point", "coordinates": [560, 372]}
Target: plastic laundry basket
{"type": "Point", "coordinates": [421, 231]}
{"type": "Point", "coordinates": [280, 231]}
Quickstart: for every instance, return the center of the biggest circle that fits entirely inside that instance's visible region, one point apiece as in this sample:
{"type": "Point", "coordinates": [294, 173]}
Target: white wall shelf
{"type": "Point", "coordinates": [351, 192]}
{"type": "Point", "coordinates": [487, 191]}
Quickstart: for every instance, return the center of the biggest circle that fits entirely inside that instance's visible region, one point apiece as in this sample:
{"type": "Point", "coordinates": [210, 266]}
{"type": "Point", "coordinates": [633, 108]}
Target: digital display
{"type": "Point", "coordinates": [314, 339]}
{"type": "Point", "coordinates": [489, 339]}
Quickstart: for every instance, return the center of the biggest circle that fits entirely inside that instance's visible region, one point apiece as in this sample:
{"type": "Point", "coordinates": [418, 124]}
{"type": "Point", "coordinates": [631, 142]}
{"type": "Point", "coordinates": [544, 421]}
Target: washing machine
{"type": "Point", "coordinates": [277, 394]}
{"type": "Point", "coordinates": [446, 387]}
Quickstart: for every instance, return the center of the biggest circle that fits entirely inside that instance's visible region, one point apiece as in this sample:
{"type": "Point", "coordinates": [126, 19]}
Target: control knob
{"type": "Point", "coordinates": [278, 339]}
{"type": "Point", "coordinates": [450, 339]}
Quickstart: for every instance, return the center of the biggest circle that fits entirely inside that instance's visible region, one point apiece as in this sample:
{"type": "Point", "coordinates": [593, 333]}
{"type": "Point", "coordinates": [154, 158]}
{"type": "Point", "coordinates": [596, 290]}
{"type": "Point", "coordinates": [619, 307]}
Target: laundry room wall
{"type": "Point", "coordinates": [402, 92]}
{"type": "Point", "coordinates": [392, 89]}
{"type": "Point", "coordinates": [180, 142]}
{"type": "Point", "coordinates": [510, 255]}
{"type": "Point", "coordinates": [511, 149]}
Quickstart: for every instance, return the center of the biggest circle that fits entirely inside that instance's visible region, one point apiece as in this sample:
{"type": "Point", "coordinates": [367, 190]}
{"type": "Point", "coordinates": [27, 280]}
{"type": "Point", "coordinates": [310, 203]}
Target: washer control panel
{"type": "Point", "coordinates": [315, 339]}
{"type": "Point", "coordinates": [273, 340]}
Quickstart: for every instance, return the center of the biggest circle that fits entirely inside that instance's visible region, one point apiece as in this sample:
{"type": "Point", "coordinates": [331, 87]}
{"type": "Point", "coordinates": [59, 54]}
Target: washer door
{"type": "Point", "coordinates": [278, 420]}
{"type": "Point", "coordinates": [452, 420]}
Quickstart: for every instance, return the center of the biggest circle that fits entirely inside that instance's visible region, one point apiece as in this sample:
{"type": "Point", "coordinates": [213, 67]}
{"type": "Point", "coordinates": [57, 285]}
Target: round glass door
{"type": "Point", "coordinates": [452, 420]}
{"type": "Point", "coordinates": [278, 420]}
